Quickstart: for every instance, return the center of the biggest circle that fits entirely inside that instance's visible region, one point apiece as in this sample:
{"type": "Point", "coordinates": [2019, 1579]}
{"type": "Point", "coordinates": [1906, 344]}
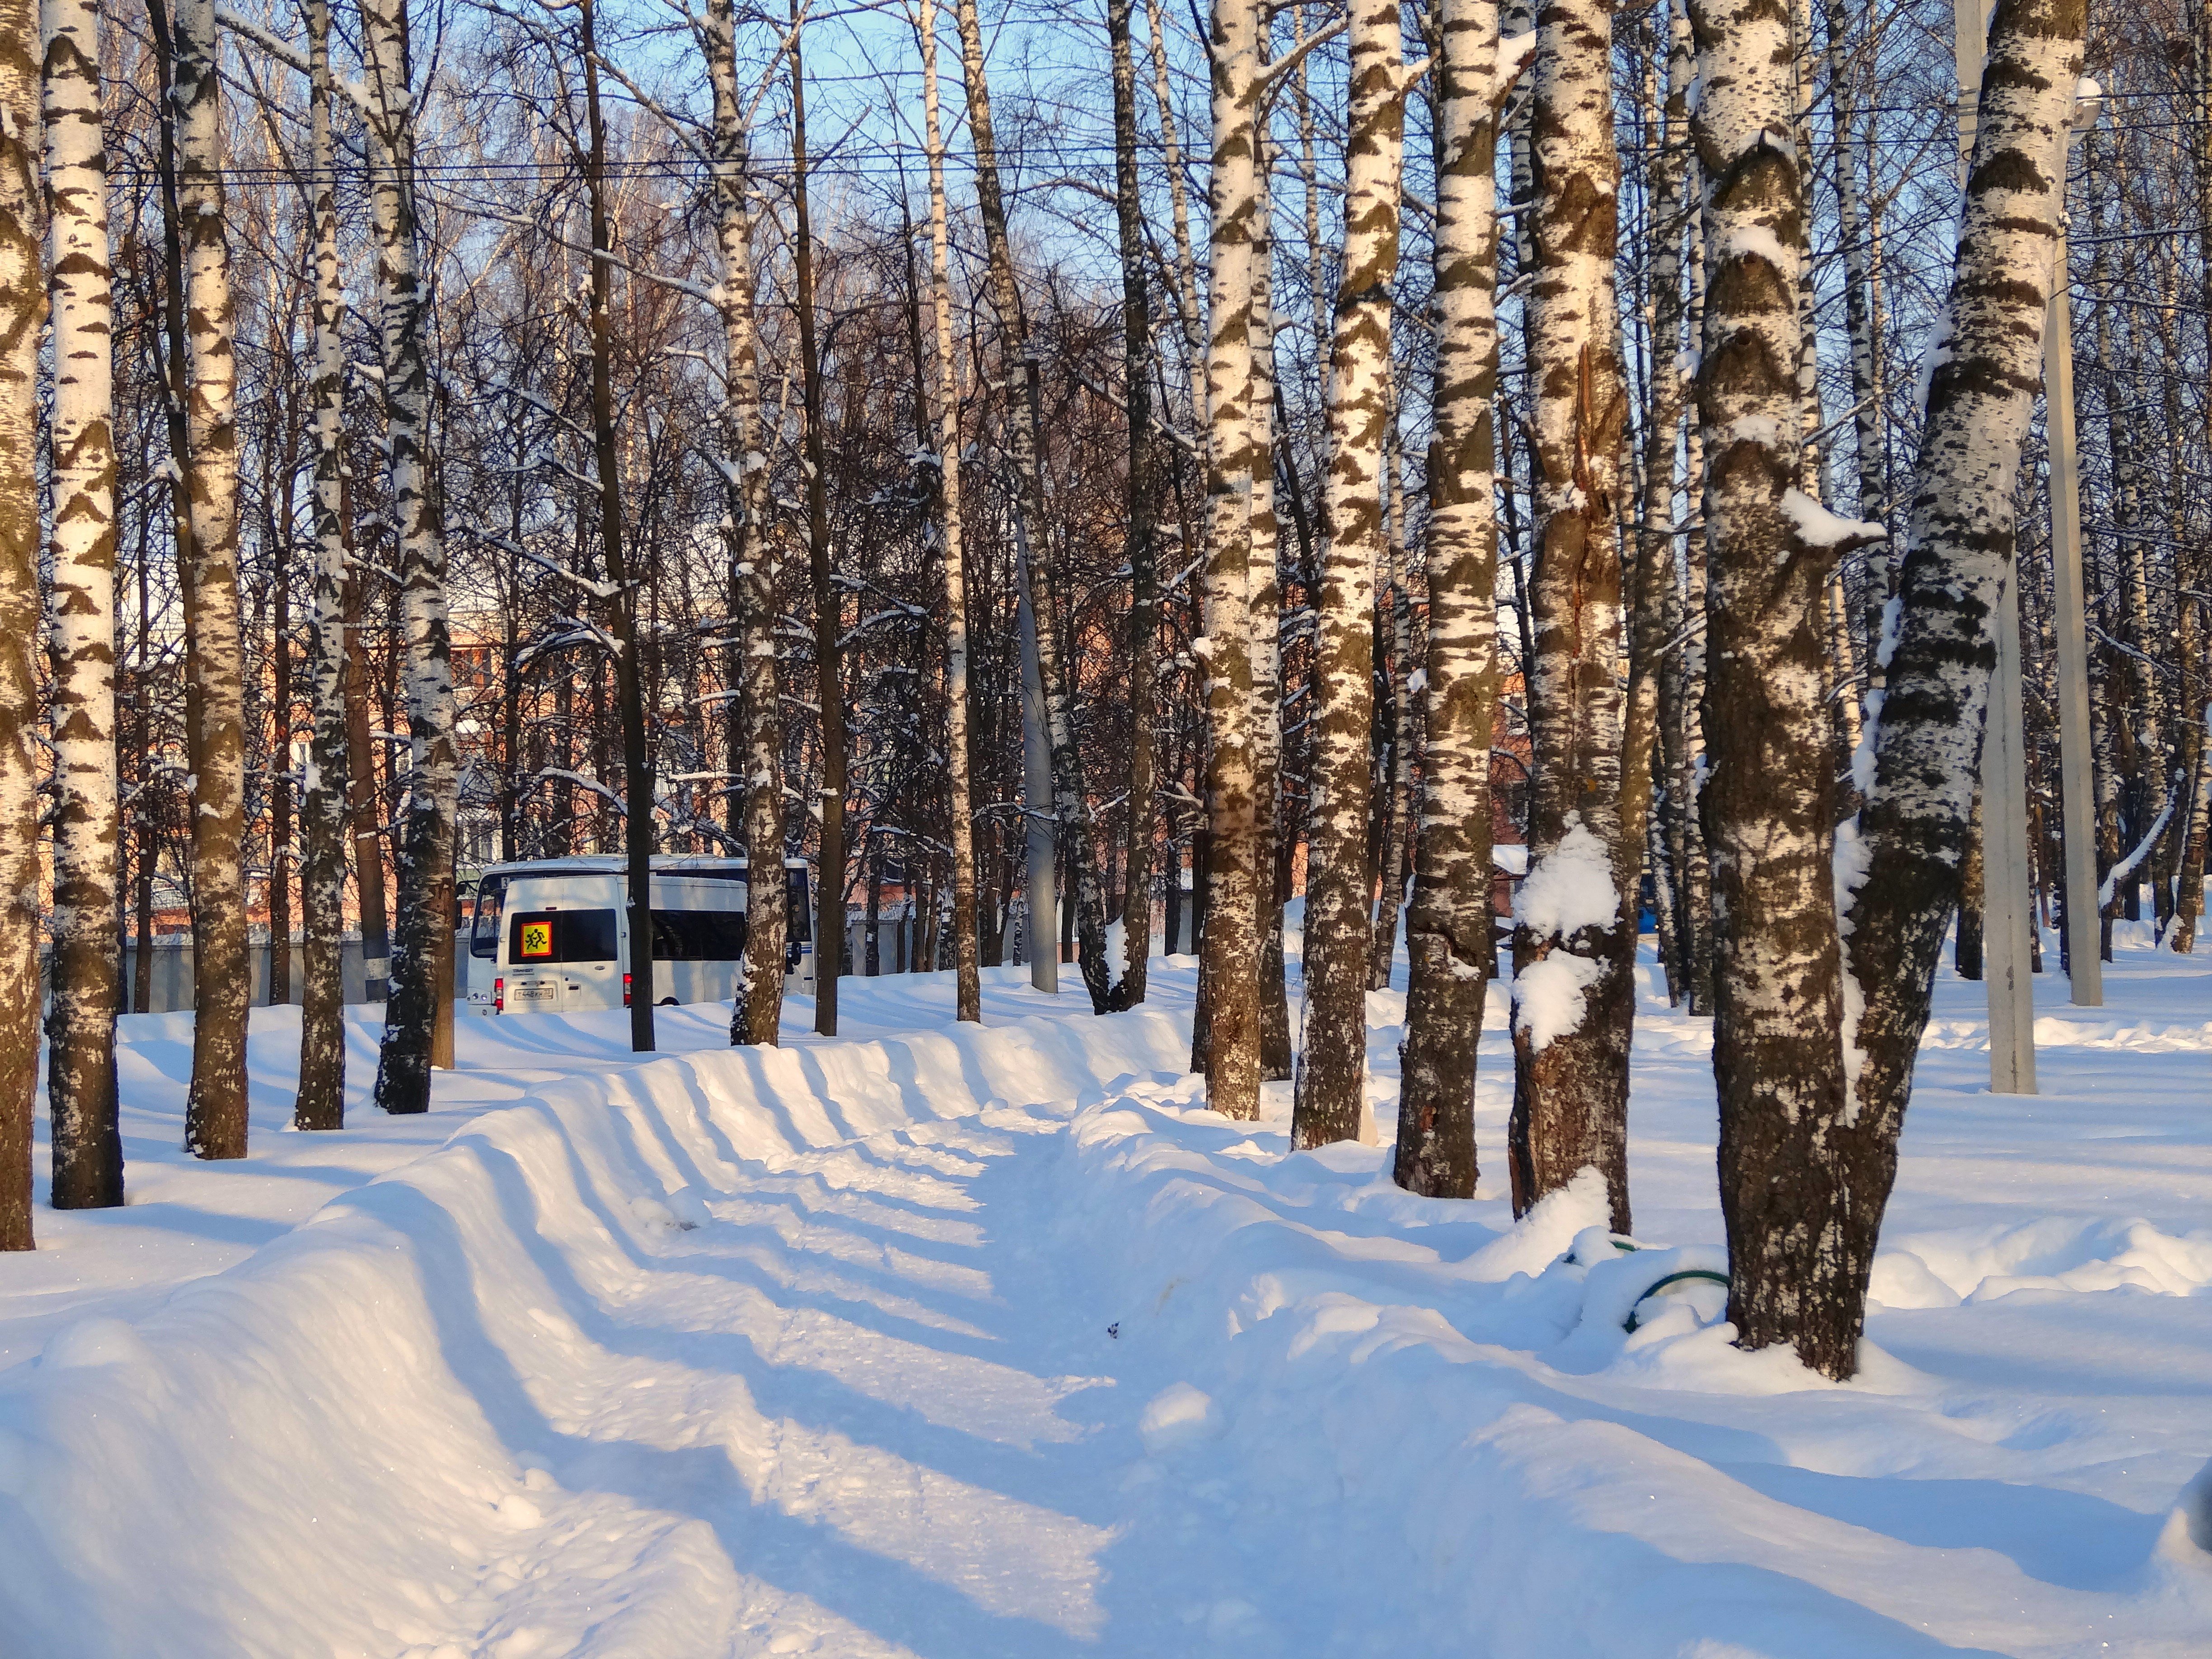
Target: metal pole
{"type": "Point", "coordinates": [2085, 966]}
{"type": "Point", "coordinates": [2006, 881]}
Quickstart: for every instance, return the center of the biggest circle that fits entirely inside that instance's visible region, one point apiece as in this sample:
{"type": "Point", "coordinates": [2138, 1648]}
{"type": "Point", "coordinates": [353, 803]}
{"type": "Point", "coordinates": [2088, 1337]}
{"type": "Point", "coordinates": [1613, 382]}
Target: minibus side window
{"type": "Point", "coordinates": [698, 935]}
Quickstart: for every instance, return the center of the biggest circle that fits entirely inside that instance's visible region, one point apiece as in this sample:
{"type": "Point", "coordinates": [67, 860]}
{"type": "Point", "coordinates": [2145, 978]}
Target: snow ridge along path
{"type": "Point", "coordinates": [993, 1341]}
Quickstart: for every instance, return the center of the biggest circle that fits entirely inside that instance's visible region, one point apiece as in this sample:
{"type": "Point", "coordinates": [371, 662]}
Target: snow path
{"type": "Point", "coordinates": [964, 1343]}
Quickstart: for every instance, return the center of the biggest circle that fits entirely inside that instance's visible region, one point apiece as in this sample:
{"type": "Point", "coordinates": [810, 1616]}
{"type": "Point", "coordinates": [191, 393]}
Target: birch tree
{"type": "Point", "coordinates": [1229, 964]}
{"type": "Point", "coordinates": [215, 1103]}
{"type": "Point", "coordinates": [1448, 921]}
{"type": "Point", "coordinates": [320, 1103]}
{"type": "Point", "coordinates": [1902, 874]}
{"type": "Point", "coordinates": [756, 727]}
{"type": "Point", "coordinates": [87, 1148]}
{"type": "Point", "coordinates": [968, 977]}
{"type": "Point", "coordinates": [1573, 989]}
{"type": "Point", "coordinates": [1778, 1052]}
{"type": "Point", "coordinates": [22, 306]}
{"type": "Point", "coordinates": [1330, 1101]}
{"type": "Point", "coordinates": [419, 1005]}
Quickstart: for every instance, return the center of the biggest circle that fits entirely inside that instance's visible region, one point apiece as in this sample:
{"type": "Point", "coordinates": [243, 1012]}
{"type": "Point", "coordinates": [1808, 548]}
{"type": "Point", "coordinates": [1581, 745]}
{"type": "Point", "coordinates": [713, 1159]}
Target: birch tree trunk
{"type": "Point", "coordinates": [1777, 1053]}
{"type": "Point", "coordinates": [1659, 593]}
{"type": "Point", "coordinates": [1398, 781]}
{"type": "Point", "coordinates": [87, 1147]}
{"type": "Point", "coordinates": [320, 1103]}
{"type": "Point", "coordinates": [1264, 562]}
{"type": "Point", "coordinates": [758, 1015]}
{"type": "Point", "coordinates": [1229, 1053]}
{"type": "Point", "coordinates": [969, 986]}
{"type": "Point", "coordinates": [1071, 801]}
{"type": "Point", "coordinates": [1903, 882]}
{"type": "Point", "coordinates": [1448, 922]}
{"type": "Point", "coordinates": [1873, 497]}
{"type": "Point", "coordinates": [1144, 624]}
{"type": "Point", "coordinates": [413, 1014]}
{"type": "Point", "coordinates": [1573, 990]}
{"type": "Point", "coordinates": [215, 1104]}
{"type": "Point", "coordinates": [22, 305]}
{"type": "Point", "coordinates": [1331, 1100]}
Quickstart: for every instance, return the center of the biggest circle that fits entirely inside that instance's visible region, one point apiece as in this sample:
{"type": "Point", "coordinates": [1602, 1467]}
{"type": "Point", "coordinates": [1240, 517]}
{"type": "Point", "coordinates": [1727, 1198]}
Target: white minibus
{"type": "Point", "coordinates": [551, 936]}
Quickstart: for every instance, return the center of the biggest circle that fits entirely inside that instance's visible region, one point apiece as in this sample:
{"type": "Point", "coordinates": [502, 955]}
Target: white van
{"type": "Point", "coordinates": [550, 936]}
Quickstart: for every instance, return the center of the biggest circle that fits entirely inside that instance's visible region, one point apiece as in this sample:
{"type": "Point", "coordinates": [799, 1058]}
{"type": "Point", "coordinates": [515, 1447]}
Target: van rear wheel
{"type": "Point", "coordinates": [665, 1002]}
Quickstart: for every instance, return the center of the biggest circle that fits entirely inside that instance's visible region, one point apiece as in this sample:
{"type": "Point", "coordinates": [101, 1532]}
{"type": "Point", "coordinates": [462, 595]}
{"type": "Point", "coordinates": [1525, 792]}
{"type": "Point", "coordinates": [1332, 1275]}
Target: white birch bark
{"type": "Point", "coordinates": [757, 746]}
{"type": "Point", "coordinates": [215, 1104]}
{"type": "Point", "coordinates": [22, 303]}
{"type": "Point", "coordinates": [1331, 1092]}
{"type": "Point", "coordinates": [413, 1013]}
{"type": "Point", "coordinates": [88, 1150]}
{"type": "Point", "coordinates": [1397, 601]}
{"type": "Point", "coordinates": [1265, 643]}
{"type": "Point", "coordinates": [968, 990]}
{"type": "Point", "coordinates": [1904, 881]}
{"type": "Point", "coordinates": [320, 1103]}
{"type": "Point", "coordinates": [1778, 1052]}
{"type": "Point", "coordinates": [1571, 1065]}
{"type": "Point", "coordinates": [1448, 921]}
{"type": "Point", "coordinates": [1229, 966]}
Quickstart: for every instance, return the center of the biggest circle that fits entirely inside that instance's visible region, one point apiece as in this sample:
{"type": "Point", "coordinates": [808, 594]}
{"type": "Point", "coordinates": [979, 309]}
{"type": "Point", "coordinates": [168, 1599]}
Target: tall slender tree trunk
{"type": "Point", "coordinates": [829, 605]}
{"type": "Point", "coordinates": [87, 1147]}
{"type": "Point", "coordinates": [215, 1104]}
{"type": "Point", "coordinates": [1903, 884]}
{"type": "Point", "coordinates": [365, 793]}
{"type": "Point", "coordinates": [1142, 487]}
{"type": "Point", "coordinates": [1659, 688]}
{"type": "Point", "coordinates": [1040, 564]}
{"type": "Point", "coordinates": [1228, 1048]}
{"type": "Point", "coordinates": [22, 307]}
{"type": "Point", "coordinates": [1448, 922]}
{"type": "Point", "coordinates": [321, 1101]}
{"type": "Point", "coordinates": [1398, 782]}
{"type": "Point", "coordinates": [1652, 587]}
{"type": "Point", "coordinates": [1777, 1053]}
{"type": "Point", "coordinates": [278, 724]}
{"type": "Point", "coordinates": [418, 1018]}
{"type": "Point", "coordinates": [1573, 991]}
{"type": "Point", "coordinates": [1697, 865]}
{"type": "Point", "coordinates": [1266, 720]}
{"type": "Point", "coordinates": [628, 585]}
{"type": "Point", "coordinates": [1331, 1101]}
{"type": "Point", "coordinates": [757, 718]}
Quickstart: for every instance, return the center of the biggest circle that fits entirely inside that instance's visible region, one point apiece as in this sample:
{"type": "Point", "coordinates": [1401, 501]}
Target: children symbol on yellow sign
{"type": "Point", "coordinates": [536, 938]}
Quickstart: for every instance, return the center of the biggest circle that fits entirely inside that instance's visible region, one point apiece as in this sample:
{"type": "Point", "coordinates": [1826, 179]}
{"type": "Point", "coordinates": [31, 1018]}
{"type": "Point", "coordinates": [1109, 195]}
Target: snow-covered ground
{"type": "Point", "coordinates": [953, 1342]}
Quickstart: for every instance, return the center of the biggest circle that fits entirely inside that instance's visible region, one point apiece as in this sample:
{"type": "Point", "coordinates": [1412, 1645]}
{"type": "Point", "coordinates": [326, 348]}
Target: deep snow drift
{"type": "Point", "coordinates": [959, 1343]}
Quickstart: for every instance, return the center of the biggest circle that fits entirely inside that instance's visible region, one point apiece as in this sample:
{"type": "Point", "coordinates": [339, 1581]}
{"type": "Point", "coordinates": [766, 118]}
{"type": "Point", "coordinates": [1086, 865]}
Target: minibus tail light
{"type": "Point", "coordinates": [625, 990]}
{"type": "Point", "coordinates": [499, 996]}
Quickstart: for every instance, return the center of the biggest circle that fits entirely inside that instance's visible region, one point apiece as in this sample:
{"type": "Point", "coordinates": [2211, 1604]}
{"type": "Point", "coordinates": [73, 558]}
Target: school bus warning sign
{"type": "Point", "coordinates": [536, 938]}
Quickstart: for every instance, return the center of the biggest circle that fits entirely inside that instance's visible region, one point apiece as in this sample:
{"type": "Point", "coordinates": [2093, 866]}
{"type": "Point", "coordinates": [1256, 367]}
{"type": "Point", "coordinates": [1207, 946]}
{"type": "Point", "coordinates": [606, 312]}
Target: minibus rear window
{"type": "Point", "coordinates": [484, 937]}
{"type": "Point", "coordinates": [535, 936]}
